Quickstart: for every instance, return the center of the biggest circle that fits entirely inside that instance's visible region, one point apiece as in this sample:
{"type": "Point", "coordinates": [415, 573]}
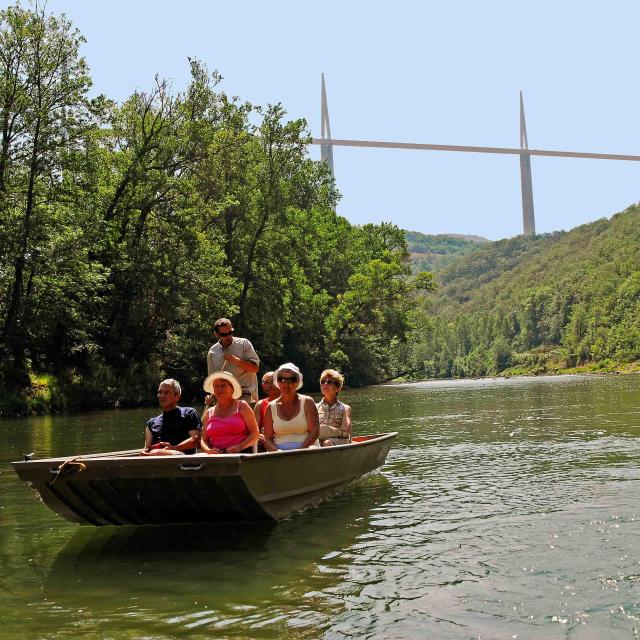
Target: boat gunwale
{"type": "Point", "coordinates": [132, 456]}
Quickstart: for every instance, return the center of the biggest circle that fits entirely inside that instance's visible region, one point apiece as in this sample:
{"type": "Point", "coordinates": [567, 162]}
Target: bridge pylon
{"type": "Point", "coordinates": [326, 148]}
{"type": "Point", "coordinates": [528, 218]}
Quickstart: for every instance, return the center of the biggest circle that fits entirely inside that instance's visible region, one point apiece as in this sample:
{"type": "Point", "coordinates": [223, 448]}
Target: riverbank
{"type": "Point", "coordinates": [604, 367]}
{"type": "Point", "coordinates": [47, 396]}
{"type": "Point", "coordinates": [40, 398]}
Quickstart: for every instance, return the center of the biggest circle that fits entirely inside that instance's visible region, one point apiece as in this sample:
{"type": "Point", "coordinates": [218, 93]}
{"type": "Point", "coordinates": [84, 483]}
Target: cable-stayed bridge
{"type": "Point", "coordinates": [327, 143]}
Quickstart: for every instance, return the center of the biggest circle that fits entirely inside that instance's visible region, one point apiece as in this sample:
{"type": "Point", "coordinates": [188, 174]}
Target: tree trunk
{"type": "Point", "coordinates": [15, 296]}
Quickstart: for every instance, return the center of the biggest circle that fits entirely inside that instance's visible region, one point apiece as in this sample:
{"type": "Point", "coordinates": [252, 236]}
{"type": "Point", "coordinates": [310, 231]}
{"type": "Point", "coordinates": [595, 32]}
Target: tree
{"type": "Point", "coordinates": [371, 316]}
{"type": "Point", "coordinates": [45, 113]}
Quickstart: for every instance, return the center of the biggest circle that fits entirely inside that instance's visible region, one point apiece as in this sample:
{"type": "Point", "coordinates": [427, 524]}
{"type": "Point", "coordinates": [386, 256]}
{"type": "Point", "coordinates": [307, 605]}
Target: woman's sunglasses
{"type": "Point", "coordinates": [290, 379]}
{"type": "Point", "coordinates": [329, 381]}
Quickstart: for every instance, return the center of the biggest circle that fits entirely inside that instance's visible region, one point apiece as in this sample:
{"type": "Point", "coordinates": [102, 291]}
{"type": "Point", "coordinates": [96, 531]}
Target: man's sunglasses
{"type": "Point", "coordinates": [224, 335]}
{"type": "Point", "coordinates": [329, 381]}
{"type": "Point", "coordinates": [290, 379]}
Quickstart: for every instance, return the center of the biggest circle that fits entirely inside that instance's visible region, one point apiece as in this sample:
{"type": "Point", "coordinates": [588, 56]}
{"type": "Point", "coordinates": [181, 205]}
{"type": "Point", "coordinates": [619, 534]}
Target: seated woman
{"type": "Point", "coordinates": [291, 422]}
{"type": "Point", "coordinates": [260, 408]}
{"type": "Point", "coordinates": [230, 425]}
{"type": "Point", "coordinates": [335, 416]}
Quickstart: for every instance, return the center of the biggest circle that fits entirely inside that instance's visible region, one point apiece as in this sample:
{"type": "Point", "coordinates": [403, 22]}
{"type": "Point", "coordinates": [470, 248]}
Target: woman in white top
{"type": "Point", "coordinates": [291, 421]}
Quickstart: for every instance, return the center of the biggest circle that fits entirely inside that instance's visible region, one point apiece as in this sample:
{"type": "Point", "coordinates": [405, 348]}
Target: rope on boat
{"type": "Point", "coordinates": [72, 465]}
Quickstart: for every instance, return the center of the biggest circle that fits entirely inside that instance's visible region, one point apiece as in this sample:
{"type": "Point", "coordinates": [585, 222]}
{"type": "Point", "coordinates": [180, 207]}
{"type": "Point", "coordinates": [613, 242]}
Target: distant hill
{"type": "Point", "coordinates": [436, 252]}
{"type": "Point", "coordinates": [547, 303]}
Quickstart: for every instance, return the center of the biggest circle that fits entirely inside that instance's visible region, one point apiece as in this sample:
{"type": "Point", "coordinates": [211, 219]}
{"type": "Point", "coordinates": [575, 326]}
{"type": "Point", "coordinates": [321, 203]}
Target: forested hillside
{"type": "Point", "coordinates": [537, 304]}
{"type": "Point", "coordinates": [127, 229]}
{"type": "Point", "coordinates": [435, 252]}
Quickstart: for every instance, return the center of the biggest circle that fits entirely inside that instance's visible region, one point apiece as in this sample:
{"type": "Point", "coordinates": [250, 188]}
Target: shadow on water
{"type": "Point", "coordinates": [89, 546]}
{"type": "Point", "coordinates": [208, 577]}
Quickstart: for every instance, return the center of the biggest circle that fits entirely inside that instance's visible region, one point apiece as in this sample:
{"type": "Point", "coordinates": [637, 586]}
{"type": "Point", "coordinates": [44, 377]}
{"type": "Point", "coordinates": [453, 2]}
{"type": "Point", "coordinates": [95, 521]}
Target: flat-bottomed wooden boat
{"type": "Point", "coordinates": [122, 488]}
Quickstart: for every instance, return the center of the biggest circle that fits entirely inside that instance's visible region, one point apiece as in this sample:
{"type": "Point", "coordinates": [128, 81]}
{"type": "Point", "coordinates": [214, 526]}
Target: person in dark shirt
{"type": "Point", "coordinates": [176, 429]}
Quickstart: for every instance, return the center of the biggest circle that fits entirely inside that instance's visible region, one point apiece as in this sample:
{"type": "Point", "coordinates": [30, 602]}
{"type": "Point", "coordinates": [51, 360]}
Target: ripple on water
{"type": "Point", "coordinates": [500, 531]}
{"type": "Point", "coordinates": [507, 509]}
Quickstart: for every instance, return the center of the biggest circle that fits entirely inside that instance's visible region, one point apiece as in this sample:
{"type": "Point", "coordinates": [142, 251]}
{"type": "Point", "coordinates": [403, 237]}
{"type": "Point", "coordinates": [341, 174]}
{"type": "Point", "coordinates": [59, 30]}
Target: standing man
{"type": "Point", "coordinates": [235, 355]}
{"type": "Point", "coordinates": [176, 429]}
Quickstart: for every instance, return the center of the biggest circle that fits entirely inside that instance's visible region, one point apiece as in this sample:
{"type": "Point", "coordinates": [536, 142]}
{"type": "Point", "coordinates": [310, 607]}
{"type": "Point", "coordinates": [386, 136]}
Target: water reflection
{"type": "Point", "coordinates": [273, 578]}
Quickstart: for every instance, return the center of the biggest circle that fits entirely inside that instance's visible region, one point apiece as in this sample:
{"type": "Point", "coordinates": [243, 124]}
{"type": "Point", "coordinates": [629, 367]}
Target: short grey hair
{"type": "Point", "coordinates": [222, 322]}
{"type": "Point", "coordinates": [174, 384]}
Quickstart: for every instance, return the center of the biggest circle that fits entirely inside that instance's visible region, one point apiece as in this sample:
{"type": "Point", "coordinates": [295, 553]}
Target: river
{"type": "Point", "coordinates": [507, 509]}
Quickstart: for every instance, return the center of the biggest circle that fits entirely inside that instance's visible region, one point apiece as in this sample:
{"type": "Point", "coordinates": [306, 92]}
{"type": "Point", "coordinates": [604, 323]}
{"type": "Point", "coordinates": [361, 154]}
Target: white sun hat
{"type": "Point", "coordinates": [207, 385]}
{"type": "Point", "coordinates": [287, 366]}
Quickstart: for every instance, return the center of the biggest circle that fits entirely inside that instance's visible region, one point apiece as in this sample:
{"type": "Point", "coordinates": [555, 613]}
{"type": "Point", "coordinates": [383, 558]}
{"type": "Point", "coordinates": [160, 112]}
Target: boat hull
{"type": "Point", "coordinates": [123, 488]}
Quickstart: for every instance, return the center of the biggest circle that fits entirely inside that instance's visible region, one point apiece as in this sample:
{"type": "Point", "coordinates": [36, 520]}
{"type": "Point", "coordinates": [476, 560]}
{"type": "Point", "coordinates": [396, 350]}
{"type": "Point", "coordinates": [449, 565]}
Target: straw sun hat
{"type": "Point", "coordinates": [207, 385]}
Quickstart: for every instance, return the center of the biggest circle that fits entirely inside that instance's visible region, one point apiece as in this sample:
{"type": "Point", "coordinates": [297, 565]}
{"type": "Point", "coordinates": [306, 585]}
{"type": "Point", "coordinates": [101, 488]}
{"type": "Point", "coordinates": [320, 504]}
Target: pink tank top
{"type": "Point", "coordinates": [226, 432]}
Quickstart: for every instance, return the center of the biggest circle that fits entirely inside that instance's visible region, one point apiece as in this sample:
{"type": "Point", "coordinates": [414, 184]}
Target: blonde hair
{"type": "Point", "coordinates": [334, 375]}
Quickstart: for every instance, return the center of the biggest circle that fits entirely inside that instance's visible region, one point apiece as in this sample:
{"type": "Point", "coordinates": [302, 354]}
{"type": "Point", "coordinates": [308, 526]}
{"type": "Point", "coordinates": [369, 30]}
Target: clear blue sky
{"type": "Point", "coordinates": [432, 72]}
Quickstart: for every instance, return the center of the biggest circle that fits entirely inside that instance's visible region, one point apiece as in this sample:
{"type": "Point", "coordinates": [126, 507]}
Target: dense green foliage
{"type": "Point", "coordinates": [127, 229]}
{"type": "Point", "coordinates": [435, 253]}
{"type": "Point", "coordinates": [537, 304]}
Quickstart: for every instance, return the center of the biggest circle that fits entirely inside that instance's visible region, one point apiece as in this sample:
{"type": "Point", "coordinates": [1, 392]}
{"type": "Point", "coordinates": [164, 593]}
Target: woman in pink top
{"type": "Point", "coordinates": [230, 425]}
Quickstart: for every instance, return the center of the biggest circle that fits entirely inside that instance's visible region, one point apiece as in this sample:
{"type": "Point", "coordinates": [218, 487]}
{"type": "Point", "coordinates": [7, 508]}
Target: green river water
{"type": "Point", "coordinates": [506, 509]}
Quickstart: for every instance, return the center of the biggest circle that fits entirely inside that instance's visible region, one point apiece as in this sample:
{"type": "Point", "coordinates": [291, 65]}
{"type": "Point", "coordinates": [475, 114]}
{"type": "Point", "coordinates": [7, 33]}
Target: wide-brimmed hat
{"type": "Point", "coordinates": [288, 366]}
{"type": "Point", "coordinates": [207, 385]}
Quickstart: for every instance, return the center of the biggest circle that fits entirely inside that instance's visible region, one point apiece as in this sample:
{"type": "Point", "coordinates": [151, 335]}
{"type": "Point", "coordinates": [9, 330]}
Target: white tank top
{"type": "Point", "coordinates": [294, 430]}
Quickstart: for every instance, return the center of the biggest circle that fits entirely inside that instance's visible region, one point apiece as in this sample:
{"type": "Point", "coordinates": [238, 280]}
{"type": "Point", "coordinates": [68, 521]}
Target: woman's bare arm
{"type": "Point", "coordinates": [313, 421]}
{"type": "Point", "coordinates": [346, 420]}
{"type": "Point", "coordinates": [269, 442]}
